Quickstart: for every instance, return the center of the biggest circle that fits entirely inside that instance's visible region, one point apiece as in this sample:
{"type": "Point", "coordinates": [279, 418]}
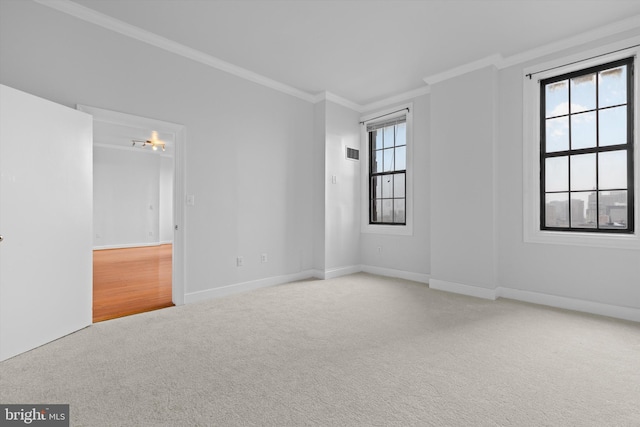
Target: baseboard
{"type": "Point", "coordinates": [619, 312]}
{"type": "Point", "coordinates": [459, 288]}
{"type": "Point", "coordinates": [131, 245]}
{"type": "Point", "coordinates": [340, 271]}
{"type": "Point", "coordinates": [401, 274]}
{"type": "Point", "coordinates": [247, 286]}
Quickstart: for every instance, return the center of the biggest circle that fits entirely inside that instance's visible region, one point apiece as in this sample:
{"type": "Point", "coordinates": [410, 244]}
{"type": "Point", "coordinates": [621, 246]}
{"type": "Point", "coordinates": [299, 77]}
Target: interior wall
{"type": "Point", "coordinates": [462, 180]}
{"type": "Point", "coordinates": [319, 187]}
{"type": "Point", "coordinates": [410, 254]}
{"type": "Point", "coordinates": [133, 198]}
{"type": "Point", "coordinates": [166, 184]}
{"type": "Point", "coordinates": [342, 183]}
{"type": "Point", "coordinates": [248, 150]}
{"type": "Point", "coordinates": [593, 274]}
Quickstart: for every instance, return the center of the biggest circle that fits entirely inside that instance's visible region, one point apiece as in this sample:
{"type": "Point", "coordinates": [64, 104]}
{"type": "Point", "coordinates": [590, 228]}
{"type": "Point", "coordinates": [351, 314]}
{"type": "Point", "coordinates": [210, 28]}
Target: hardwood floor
{"type": "Point", "coordinates": [132, 280]}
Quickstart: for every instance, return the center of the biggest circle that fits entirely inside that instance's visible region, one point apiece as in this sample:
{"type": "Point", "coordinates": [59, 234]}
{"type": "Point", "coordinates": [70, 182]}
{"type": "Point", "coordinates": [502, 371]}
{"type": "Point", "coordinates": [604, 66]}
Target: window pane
{"type": "Point", "coordinates": [387, 186]}
{"type": "Point", "coordinates": [376, 187]}
{"type": "Point", "coordinates": [592, 209]}
{"type": "Point", "coordinates": [377, 137]}
{"type": "Point", "coordinates": [387, 210]}
{"type": "Point", "coordinates": [612, 170]}
{"type": "Point", "coordinates": [398, 185]}
{"type": "Point", "coordinates": [613, 126]}
{"type": "Point", "coordinates": [583, 172]}
{"type": "Point", "coordinates": [583, 93]}
{"type": "Point", "coordinates": [388, 136]}
{"type": "Point", "coordinates": [612, 88]}
{"type": "Point", "coordinates": [579, 210]}
{"type": "Point", "coordinates": [401, 134]}
{"type": "Point", "coordinates": [398, 211]}
{"type": "Point", "coordinates": [583, 130]}
{"type": "Point", "coordinates": [557, 134]}
{"type": "Point", "coordinates": [377, 162]}
{"type": "Point", "coordinates": [557, 210]}
{"type": "Point", "coordinates": [388, 160]}
{"type": "Point", "coordinates": [401, 158]}
{"type": "Point", "coordinates": [557, 174]}
{"type": "Point", "coordinates": [613, 209]}
{"type": "Point", "coordinates": [376, 212]}
{"type": "Point", "coordinates": [557, 99]}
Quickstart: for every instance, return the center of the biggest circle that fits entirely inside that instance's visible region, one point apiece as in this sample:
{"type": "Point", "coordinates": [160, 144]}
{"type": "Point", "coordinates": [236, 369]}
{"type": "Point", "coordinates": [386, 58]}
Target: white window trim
{"type": "Point", "coordinates": [389, 113]}
{"type": "Point", "coordinates": [531, 148]}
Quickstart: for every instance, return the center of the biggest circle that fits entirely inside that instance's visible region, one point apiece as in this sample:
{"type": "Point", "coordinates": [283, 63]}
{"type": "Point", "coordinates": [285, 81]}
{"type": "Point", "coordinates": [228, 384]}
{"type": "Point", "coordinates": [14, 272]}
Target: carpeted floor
{"type": "Point", "coordinates": [359, 350]}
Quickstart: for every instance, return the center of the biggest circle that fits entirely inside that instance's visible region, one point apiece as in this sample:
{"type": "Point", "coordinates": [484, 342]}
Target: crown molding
{"type": "Point", "coordinates": [499, 62]}
{"type": "Point", "coordinates": [414, 93]}
{"type": "Point", "coordinates": [328, 96]}
{"type": "Point", "coordinates": [405, 96]}
{"type": "Point", "coordinates": [102, 20]}
{"type": "Point", "coordinates": [494, 60]}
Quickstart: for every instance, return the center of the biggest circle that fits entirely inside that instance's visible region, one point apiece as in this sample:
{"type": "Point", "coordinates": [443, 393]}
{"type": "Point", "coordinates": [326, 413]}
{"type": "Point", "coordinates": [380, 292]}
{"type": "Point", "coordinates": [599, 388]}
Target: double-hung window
{"type": "Point", "coordinates": [581, 162]}
{"type": "Point", "coordinates": [387, 171]}
{"type": "Point", "coordinates": [586, 150]}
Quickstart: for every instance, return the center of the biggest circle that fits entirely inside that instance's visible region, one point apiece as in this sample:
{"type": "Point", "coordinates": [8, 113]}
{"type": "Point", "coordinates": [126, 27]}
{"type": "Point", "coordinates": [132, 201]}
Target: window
{"type": "Point", "coordinates": [586, 150]}
{"type": "Point", "coordinates": [387, 171]}
{"type": "Point", "coordinates": [581, 159]}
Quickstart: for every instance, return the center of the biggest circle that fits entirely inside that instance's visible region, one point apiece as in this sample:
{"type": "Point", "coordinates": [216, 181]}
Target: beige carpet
{"type": "Point", "coordinates": [360, 350]}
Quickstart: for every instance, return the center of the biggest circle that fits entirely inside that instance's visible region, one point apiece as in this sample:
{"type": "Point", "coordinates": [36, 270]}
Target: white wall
{"type": "Point", "coordinates": [133, 198]}
{"type": "Point", "coordinates": [462, 167]}
{"type": "Point", "coordinates": [319, 187]}
{"type": "Point", "coordinates": [342, 210]}
{"type": "Point", "coordinates": [248, 150]}
{"type": "Point", "coordinates": [165, 212]}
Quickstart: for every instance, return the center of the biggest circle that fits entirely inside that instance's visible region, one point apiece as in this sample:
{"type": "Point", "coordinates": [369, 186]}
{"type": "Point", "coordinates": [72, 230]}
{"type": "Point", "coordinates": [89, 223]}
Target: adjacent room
{"type": "Point", "coordinates": [292, 213]}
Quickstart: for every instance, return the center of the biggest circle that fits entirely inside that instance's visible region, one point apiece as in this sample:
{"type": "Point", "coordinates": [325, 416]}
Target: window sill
{"type": "Point", "coordinates": [600, 240]}
{"type": "Point", "coordinates": [398, 230]}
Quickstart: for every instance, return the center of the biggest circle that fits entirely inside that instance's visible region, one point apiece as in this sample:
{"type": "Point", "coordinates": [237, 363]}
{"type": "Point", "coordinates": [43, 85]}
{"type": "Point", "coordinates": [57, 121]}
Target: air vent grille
{"type": "Point", "coordinates": [353, 153]}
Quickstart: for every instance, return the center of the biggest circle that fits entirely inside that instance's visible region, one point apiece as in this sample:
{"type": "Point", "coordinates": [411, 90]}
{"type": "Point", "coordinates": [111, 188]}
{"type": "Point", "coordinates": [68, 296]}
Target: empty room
{"type": "Point", "coordinates": [347, 213]}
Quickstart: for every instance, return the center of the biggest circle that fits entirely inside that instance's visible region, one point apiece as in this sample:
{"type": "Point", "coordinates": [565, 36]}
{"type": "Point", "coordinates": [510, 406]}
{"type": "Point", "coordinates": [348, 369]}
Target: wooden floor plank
{"type": "Point", "coordinates": [131, 280]}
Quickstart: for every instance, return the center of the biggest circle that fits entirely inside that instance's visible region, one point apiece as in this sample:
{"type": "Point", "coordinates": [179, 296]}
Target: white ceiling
{"type": "Point", "coordinates": [363, 51]}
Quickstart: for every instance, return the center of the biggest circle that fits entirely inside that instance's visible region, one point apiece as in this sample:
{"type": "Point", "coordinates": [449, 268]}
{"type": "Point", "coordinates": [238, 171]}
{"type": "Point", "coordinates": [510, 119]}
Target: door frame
{"type": "Point", "coordinates": [179, 189]}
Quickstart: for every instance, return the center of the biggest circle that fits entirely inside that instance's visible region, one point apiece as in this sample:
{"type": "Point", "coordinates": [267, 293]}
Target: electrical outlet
{"type": "Point", "coordinates": [263, 258]}
{"type": "Point", "coordinates": [379, 248]}
{"type": "Point", "coordinates": [240, 261]}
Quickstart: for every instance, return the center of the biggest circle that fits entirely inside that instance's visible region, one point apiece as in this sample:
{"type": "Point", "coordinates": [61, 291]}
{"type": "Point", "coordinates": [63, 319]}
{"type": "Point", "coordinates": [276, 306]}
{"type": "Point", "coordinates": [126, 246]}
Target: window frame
{"type": "Point", "coordinates": [532, 76]}
{"type": "Point", "coordinates": [384, 124]}
{"type": "Point", "coordinates": [386, 228]}
{"type": "Point", "coordinates": [627, 147]}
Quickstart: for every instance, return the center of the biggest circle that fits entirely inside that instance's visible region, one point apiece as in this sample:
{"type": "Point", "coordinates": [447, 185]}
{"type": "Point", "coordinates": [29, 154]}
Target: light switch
{"type": "Point", "coordinates": [191, 200]}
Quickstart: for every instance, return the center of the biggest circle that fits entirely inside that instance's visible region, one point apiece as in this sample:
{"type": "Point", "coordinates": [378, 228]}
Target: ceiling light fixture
{"type": "Point", "coordinates": [154, 142]}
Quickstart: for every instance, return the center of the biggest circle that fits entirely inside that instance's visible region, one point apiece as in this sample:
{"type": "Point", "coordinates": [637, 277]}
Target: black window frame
{"type": "Point", "coordinates": [628, 147]}
{"type": "Point", "coordinates": [380, 126]}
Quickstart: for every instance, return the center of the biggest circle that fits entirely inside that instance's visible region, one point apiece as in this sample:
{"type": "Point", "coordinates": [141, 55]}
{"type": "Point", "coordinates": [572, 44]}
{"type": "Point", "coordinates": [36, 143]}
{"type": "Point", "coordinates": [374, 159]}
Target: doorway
{"type": "Point", "coordinates": [137, 257]}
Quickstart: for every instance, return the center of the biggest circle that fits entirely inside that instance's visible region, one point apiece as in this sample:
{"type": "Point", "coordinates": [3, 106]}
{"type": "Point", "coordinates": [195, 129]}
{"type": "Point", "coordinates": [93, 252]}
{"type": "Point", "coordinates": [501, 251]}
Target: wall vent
{"type": "Point", "coordinates": [353, 154]}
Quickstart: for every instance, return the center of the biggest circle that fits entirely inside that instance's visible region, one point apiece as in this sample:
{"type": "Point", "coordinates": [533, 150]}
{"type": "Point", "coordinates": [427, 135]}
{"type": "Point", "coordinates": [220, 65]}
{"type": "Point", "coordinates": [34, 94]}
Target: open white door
{"type": "Point", "coordinates": [46, 200]}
